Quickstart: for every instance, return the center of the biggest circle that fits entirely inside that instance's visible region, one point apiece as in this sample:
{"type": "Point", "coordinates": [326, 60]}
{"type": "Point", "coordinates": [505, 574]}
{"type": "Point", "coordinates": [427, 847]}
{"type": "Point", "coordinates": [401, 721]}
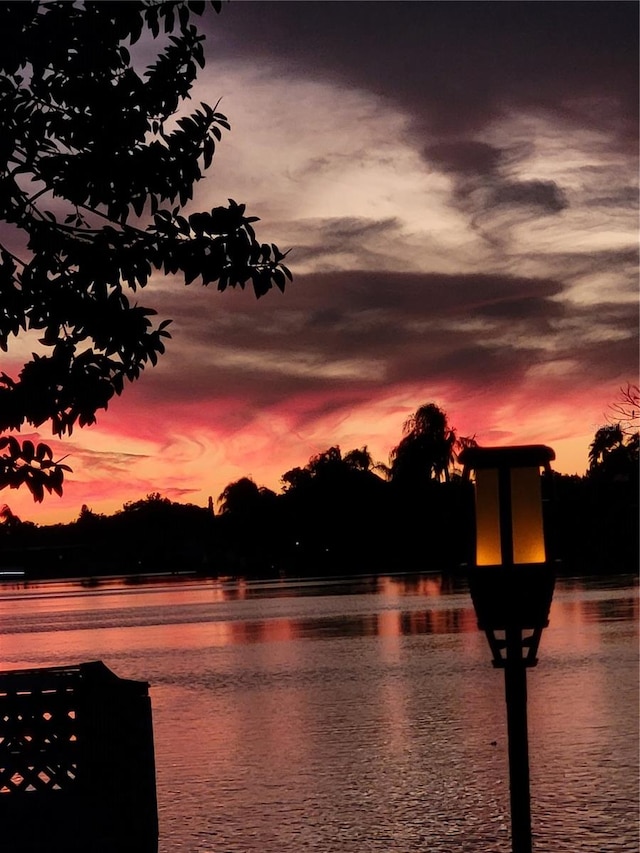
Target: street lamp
{"type": "Point", "coordinates": [511, 581]}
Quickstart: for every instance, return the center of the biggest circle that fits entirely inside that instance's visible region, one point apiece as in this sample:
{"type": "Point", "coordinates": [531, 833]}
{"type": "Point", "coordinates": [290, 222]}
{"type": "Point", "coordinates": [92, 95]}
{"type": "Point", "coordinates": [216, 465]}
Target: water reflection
{"type": "Point", "coordinates": [387, 624]}
{"type": "Point", "coordinates": [240, 612]}
{"type": "Point", "coordinates": [361, 715]}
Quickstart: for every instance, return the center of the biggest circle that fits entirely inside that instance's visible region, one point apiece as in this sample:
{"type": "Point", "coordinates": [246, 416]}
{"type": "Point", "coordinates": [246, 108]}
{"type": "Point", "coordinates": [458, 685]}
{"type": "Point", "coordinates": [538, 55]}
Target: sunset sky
{"type": "Point", "coordinates": [457, 183]}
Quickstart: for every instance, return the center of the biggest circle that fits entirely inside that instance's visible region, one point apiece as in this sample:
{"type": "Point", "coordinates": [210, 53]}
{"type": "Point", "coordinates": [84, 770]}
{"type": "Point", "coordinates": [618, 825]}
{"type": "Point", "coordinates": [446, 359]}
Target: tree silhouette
{"type": "Point", "coordinates": [243, 497]}
{"type": "Point", "coordinates": [8, 519]}
{"type": "Point", "coordinates": [98, 162]}
{"type": "Point", "coordinates": [247, 526]}
{"type": "Point", "coordinates": [153, 500]}
{"type": "Point", "coordinates": [427, 449]}
{"type": "Point", "coordinates": [335, 516]}
{"type": "Point", "coordinates": [330, 467]}
{"type": "Point", "coordinates": [429, 498]}
{"type": "Point", "coordinates": [330, 509]}
{"type": "Point", "coordinates": [296, 479]}
{"type": "Point", "coordinates": [359, 459]}
{"type": "Point", "coordinates": [613, 455]}
{"type": "Point", "coordinates": [606, 439]}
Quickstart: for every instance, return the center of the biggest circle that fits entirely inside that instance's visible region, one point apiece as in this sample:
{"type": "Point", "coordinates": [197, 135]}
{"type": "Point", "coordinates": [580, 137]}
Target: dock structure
{"type": "Point", "coordinates": [77, 764]}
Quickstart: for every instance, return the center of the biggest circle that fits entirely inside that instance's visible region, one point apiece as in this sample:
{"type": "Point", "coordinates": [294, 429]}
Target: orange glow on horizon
{"type": "Point", "coordinates": [131, 453]}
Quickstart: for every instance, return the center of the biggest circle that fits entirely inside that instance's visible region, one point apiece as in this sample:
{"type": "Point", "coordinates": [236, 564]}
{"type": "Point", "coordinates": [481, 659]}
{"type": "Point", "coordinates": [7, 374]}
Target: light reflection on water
{"type": "Point", "coordinates": [357, 716]}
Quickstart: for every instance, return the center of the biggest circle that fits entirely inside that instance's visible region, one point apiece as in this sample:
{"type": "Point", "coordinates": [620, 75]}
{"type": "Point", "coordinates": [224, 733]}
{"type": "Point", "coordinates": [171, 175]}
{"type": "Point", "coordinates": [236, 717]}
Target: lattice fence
{"type": "Point", "coordinates": [77, 763]}
{"type": "Point", "coordinates": [38, 739]}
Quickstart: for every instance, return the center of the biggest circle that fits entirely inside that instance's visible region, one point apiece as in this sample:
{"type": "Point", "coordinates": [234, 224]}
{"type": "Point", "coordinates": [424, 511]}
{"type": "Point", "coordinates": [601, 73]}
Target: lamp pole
{"type": "Point", "coordinates": [515, 688]}
{"type": "Point", "coordinates": [511, 583]}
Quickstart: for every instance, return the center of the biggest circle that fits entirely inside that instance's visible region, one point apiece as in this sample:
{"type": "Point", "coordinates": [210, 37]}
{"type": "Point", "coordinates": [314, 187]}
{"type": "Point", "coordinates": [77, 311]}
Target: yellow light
{"type": "Point", "coordinates": [488, 547]}
{"type": "Point", "coordinates": [526, 516]}
{"type": "Point", "coordinates": [509, 516]}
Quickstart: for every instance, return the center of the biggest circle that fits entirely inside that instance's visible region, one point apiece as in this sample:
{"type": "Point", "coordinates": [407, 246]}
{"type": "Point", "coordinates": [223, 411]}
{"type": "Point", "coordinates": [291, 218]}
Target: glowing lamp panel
{"type": "Point", "coordinates": [488, 547]}
{"type": "Point", "coordinates": [526, 516]}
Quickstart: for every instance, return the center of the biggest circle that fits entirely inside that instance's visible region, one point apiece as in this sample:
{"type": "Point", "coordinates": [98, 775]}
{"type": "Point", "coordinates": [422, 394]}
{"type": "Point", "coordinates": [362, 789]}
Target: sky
{"type": "Point", "coordinates": [457, 184]}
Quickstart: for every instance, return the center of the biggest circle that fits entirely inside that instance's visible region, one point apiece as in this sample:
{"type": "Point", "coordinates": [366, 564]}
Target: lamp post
{"type": "Point", "coordinates": [511, 581]}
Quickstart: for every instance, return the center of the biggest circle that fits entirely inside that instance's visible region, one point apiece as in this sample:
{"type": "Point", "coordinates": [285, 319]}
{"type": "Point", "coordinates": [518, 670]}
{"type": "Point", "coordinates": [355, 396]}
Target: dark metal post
{"type": "Point", "coordinates": [513, 595]}
{"type": "Point", "coordinates": [515, 682]}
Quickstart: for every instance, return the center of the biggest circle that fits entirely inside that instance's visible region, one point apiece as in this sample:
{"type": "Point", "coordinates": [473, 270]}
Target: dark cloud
{"type": "Point", "coordinates": [455, 67]}
{"type": "Point", "coordinates": [626, 196]}
{"type": "Point", "coordinates": [111, 463]}
{"type": "Point", "coordinates": [464, 157]}
{"type": "Point", "coordinates": [341, 337]}
{"type": "Point", "coordinates": [620, 266]}
{"type": "Point", "coordinates": [368, 240]}
{"type": "Point", "coordinates": [483, 182]}
{"type": "Point", "coordinates": [175, 493]}
{"type": "Point", "coordinates": [496, 204]}
{"type": "Point", "coordinates": [544, 196]}
{"type": "Point", "coordinates": [379, 329]}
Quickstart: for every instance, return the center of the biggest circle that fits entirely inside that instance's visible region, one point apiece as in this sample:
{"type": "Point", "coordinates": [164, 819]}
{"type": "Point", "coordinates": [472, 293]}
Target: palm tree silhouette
{"type": "Point", "coordinates": [244, 497]}
{"type": "Point", "coordinates": [427, 449]}
{"type": "Point", "coordinates": [614, 455]}
{"type": "Point", "coordinates": [606, 439]}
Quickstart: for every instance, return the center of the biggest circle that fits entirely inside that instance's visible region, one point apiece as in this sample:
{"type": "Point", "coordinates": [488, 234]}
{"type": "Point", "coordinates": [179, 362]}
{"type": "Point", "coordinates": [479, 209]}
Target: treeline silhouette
{"type": "Point", "coordinates": [340, 514]}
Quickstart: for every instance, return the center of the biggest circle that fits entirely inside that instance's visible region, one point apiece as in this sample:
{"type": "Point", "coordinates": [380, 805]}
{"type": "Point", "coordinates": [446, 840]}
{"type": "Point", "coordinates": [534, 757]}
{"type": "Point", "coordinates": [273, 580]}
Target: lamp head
{"type": "Point", "coordinates": [512, 578]}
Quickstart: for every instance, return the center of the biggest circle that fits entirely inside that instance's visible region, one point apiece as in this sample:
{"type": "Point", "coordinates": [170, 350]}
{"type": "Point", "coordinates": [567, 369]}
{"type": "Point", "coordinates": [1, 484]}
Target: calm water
{"type": "Point", "coordinates": [357, 716]}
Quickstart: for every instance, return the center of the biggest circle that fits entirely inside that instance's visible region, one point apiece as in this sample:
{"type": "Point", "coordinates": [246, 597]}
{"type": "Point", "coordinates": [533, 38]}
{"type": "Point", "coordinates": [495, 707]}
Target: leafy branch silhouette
{"type": "Point", "coordinates": [98, 164]}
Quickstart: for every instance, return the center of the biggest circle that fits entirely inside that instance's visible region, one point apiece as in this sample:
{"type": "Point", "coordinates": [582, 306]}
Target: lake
{"type": "Point", "coordinates": [357, 716]}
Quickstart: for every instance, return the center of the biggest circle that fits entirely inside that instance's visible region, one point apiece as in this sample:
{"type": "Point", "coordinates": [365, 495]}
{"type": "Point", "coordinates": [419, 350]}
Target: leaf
{"type": "Point", "coordinates": [36, 488]}
{"type": "Point", "coordinates": [43, 452]}
{"type": "Point", "coordinates": [138, 204]}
